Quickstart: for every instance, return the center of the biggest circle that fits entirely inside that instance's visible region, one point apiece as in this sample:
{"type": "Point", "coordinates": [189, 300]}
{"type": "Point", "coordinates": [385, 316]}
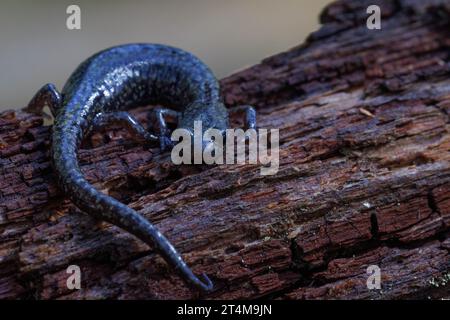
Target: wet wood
{"type": "Point", "coordinates": [363, 180]}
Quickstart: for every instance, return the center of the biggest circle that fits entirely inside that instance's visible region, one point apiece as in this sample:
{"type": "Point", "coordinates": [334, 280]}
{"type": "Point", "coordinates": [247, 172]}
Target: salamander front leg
{"type": "Point", "coordinates": [47, 95]}
{"type": "Point", "coordinates": [158, 120]}
{"type": "Point", "coordinates": [250, 115]}
{"type": "Point", "coordinates": [125, 119]}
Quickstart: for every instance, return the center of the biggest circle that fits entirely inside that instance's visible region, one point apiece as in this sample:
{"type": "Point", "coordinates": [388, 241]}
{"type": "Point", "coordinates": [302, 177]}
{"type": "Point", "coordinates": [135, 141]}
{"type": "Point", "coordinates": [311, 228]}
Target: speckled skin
{"type": "Point", "coordinates": [98, 93]}
{"type": "Point", "coordinates": [117, 79]}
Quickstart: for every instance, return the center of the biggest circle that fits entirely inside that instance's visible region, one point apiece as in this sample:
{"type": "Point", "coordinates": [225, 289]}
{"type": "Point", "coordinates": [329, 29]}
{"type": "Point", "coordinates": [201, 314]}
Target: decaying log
{"type": "Point", "coordinates": [363, 180]}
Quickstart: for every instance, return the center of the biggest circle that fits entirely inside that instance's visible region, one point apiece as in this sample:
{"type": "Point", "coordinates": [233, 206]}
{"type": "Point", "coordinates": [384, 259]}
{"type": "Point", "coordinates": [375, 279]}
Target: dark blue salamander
{"type": "Point", "coordinates": [100, 91]}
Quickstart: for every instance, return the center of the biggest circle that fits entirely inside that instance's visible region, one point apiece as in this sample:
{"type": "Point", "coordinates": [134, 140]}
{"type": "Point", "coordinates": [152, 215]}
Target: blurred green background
{"type": "Point", "coordinates": [36, 47]}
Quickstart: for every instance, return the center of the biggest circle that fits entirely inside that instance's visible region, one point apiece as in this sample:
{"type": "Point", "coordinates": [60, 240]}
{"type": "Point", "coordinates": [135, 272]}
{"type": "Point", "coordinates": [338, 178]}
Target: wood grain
{"type": "Point", "coordinates": [363, 180]}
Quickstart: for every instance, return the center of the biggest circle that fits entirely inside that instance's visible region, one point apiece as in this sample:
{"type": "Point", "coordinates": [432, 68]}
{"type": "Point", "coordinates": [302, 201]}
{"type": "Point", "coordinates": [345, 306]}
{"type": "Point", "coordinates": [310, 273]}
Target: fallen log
{"type": "Point", "coordinates": [363, 180]}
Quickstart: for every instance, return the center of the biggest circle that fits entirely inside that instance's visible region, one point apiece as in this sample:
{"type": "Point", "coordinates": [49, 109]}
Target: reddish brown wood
{"type": "Point", "coordinates": [364, 179]}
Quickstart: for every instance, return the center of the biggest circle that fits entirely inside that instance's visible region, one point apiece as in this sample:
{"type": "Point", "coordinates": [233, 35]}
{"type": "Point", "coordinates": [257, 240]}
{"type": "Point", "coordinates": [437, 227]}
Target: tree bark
{"type": "Point", "coordinates": [363, 180]}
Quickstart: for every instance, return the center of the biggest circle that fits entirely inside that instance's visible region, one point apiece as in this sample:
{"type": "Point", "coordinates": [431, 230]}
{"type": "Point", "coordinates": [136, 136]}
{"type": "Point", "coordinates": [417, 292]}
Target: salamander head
{"type": "Point", "coordinates": [205, 122]}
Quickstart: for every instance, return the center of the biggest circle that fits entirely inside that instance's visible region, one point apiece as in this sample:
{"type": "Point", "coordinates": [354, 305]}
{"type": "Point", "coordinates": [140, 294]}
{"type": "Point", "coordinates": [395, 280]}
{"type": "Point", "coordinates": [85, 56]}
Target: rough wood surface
{"type": "Point", "coordinates": [364, 179]}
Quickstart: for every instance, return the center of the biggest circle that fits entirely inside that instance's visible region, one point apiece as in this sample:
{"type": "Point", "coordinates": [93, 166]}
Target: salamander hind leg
{"type": "Point", "coordinates": [158, 121]}
{"type": "Point", "coordinates": [47, 95]}
{"type": "Point", "coordinates": [250, 115]}
{"type": "Point", "coordinates": [103, 120]}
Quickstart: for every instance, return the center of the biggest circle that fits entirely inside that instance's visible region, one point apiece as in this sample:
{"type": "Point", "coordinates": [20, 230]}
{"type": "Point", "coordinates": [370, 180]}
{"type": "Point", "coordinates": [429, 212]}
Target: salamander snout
{"type": "Point", "coordinates": [200, 144]}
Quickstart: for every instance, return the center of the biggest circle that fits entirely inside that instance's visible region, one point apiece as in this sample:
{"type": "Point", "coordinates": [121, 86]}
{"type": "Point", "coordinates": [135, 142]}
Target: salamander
{"type": "Point", "coordinates": [100, 92]}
